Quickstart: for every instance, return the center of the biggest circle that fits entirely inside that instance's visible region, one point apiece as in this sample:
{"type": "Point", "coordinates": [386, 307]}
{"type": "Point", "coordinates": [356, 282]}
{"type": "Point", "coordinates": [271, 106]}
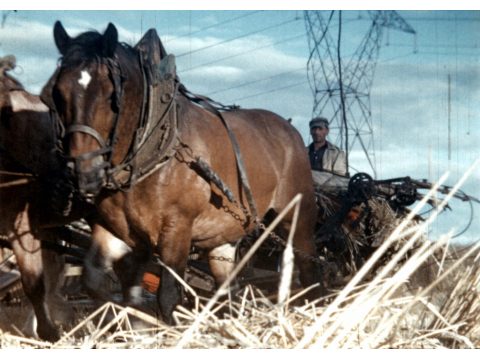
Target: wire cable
{"type": "Point", "coordinates": [237, 37]}
{"type": "Point", "coordinates": [271, 91]}
{"type": "Point", "coordinates": [256, 81]}
{"type": "Point", "coordinates": [231, 20]}
{"type": "Point", "coordinates": [243, 53]}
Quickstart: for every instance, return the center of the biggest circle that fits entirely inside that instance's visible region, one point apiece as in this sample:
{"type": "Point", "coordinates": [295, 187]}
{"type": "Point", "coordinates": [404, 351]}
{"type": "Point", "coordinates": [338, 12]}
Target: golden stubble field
{"type": "Point", "coordinates": [430, 299]}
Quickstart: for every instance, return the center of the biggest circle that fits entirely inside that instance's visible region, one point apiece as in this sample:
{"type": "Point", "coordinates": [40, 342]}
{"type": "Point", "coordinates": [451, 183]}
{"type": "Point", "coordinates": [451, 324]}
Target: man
{"type": "Point", "coordinates": [323, 155]}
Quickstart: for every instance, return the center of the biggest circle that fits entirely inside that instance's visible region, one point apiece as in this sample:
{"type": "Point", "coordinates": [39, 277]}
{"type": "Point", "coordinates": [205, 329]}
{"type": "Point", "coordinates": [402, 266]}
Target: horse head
{"type": "Point", "coordinates": [94, 93]}
{"type": "Point", "coordinates": [26, 134]}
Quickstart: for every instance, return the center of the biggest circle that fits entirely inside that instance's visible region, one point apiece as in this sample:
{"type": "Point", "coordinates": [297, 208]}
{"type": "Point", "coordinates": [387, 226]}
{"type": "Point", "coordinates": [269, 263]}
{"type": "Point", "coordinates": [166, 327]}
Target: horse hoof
{"type": "Point", "coordinates": [50, 334]}
{"type": "Point", "coordinates": [169, 320]}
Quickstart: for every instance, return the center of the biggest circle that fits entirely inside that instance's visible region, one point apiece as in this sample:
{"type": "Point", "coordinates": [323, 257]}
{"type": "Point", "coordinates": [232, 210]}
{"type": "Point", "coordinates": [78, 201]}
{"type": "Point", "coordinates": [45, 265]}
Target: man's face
{"type": "Point", "coordinates": [319, 134]}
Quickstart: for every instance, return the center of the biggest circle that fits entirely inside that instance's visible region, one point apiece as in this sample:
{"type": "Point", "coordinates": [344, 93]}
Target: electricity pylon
{"type": "Point", "coordinates": [341, 87]}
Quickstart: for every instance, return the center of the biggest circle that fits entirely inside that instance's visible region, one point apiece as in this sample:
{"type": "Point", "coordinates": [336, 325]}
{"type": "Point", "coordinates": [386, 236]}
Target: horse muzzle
{"type": "Point", "coordinates": [89, 169]}
{"type": "Point", "coordinates": [89, 172]}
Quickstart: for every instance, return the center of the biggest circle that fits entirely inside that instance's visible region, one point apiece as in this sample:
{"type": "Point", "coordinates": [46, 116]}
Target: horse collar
{"type": "Point", "coordinates": [156, 136]}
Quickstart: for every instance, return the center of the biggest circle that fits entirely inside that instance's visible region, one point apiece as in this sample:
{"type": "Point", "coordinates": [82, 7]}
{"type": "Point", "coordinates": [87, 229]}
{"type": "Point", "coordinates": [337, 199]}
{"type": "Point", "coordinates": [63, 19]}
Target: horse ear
{"type": "Point", "coordinates": [110, 40]}
{"type": "Point", "coordinates": [62, 39]}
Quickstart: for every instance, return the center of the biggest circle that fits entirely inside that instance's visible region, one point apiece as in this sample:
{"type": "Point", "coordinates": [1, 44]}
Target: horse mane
{"type": "Point", "coordinates": [88, 46]}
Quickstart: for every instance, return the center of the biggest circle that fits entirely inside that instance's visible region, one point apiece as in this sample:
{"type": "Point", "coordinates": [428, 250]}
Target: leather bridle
{"type": "Point", "coordinates": [91, 181]}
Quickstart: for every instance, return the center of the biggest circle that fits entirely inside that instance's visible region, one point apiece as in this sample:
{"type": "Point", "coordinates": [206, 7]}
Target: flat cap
{"type": "Point", "coordinates": [319, 122]}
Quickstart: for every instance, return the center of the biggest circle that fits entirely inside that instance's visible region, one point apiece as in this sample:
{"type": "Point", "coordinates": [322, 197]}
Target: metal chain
{"type": "Point", "coordinates": [221, 259]}
{"type": "Point", "coordinates": [275, 237]}
{"type": "Point", "coordinates": [235, 216]}
{"type": "Point", "coordinates": [258, 224]}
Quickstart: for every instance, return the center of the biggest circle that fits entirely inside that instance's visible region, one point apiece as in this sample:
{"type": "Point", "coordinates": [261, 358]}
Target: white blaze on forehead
{"type": "Point", "coordinates": [84, 79]}
{"type": "Point", "coordinates": [21, 102]}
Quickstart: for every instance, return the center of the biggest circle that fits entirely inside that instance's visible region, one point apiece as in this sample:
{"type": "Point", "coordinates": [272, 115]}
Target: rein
{"type": "Point", "coordinates": [22, 178]}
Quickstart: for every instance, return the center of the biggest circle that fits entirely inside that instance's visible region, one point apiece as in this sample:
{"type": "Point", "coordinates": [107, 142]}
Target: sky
{"type": "Point", "coordinates": [256, 57]}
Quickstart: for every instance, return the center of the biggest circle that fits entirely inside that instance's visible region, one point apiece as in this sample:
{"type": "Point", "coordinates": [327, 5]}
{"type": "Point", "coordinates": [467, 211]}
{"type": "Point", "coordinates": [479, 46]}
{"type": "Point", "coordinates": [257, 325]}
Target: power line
{"type": "Point", "coordinates": [342, 94]}
{"type": "Point", "coordinates": [440, 19]}
{"type": "Point", "coordinates": [398, 57]}
{"type": "Point", "coordinates": [238, 37]}
{"type": "Point", "coordinates": [256, 81]}
{"type": "Point", "coordinates": [419, 52]}
{"type": "Point", "coordinates": [263, 79]}
{"type": "Point", "coordinates": [243, 52]}
{"type": "Point", "coordinates": [400, 45]}
{"type": "Point", "coordinates": [215, 25]}
{"type": "Point", "coordinates": [271, 91]}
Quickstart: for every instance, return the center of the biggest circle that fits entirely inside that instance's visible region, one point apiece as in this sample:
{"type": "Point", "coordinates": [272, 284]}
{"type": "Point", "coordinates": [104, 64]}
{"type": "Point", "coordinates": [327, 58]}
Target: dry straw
{"type": "Point", "coordinates": [389, 311]}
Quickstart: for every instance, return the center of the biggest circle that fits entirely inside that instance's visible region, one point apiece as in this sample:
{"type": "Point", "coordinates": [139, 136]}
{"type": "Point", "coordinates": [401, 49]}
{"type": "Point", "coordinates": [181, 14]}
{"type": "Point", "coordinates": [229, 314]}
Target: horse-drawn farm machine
{"type": "Point", "coordinates": [356, 215]}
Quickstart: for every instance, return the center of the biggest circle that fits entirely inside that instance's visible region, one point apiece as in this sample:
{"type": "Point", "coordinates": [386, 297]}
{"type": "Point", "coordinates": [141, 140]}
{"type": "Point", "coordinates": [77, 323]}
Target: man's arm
{"type": "Point", "coordinates": [340, 164]}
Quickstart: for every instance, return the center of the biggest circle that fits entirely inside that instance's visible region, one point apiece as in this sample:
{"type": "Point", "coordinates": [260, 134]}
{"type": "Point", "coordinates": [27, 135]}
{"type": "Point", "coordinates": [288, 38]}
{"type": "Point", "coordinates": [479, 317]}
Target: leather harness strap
{"type": "Point", "coordinates": [207, 104]}
{"type": "Point", "coordinates": [80, 128]}
{"type": "Point", "coordinates": [130, 171]}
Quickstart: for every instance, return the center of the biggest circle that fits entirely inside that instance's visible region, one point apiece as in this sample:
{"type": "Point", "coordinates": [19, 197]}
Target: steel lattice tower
{"type": "Point", "coordinates": [341, 87]}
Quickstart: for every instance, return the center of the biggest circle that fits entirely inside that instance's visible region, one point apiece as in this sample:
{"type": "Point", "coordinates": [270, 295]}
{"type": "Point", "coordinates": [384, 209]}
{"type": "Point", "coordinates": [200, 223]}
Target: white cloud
{"type": "Point", "coordinates": [408, 100]}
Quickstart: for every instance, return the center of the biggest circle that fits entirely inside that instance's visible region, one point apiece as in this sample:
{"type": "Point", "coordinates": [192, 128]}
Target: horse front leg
{"type": "Point", "coordinates": [28, 252]}
{"type": "Point", "coordinates": [54, 270]}
{"type": "Point", "coordinates": [173, 249]}
{"type": "Point", "coordinates": [105, 251]}
{"type": "Point", "coordinates": [60, 311]}
{"type": "Point", "coordinates": [129, 270]}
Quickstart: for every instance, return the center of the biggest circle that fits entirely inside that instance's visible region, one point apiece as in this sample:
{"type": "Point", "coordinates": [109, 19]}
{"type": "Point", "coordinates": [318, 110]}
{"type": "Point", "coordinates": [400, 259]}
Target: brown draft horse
{"type": "Point", "coordinates": [27, 138]}
{"type": "Point", "coordinates": [99, 94]}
